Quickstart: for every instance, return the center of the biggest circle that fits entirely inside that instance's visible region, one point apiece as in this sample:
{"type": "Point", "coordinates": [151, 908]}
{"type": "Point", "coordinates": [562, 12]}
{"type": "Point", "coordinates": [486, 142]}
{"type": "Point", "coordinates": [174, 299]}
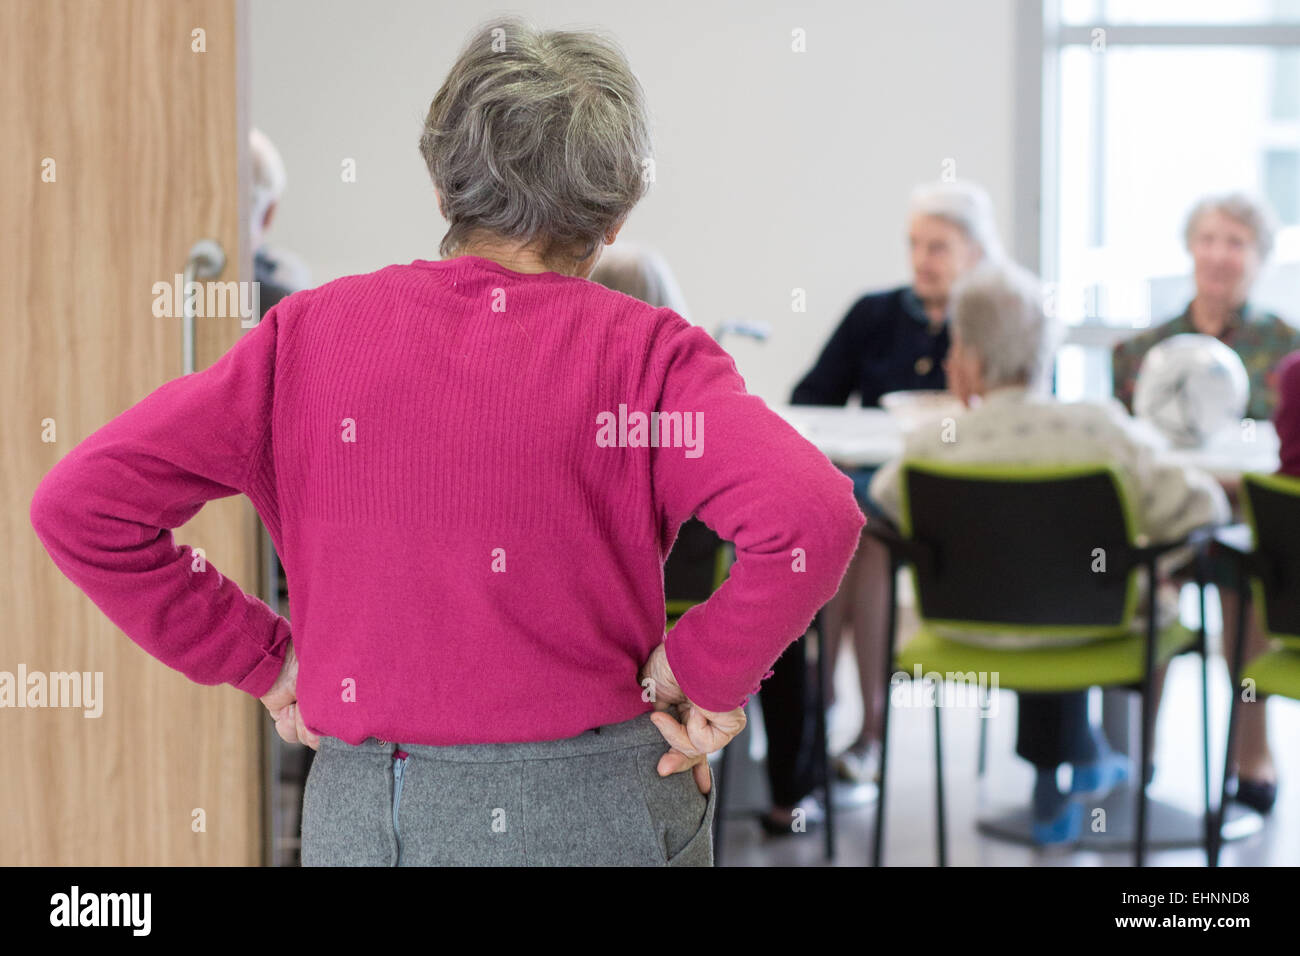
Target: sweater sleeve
{"type": "Point", "coordinates": [758, 483]}
{"type": "Point", "coordinates": [105, 512]}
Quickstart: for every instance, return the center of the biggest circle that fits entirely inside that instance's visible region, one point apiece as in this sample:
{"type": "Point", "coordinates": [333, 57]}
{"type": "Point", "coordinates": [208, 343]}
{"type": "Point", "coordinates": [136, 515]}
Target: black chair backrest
{"type": "Point", "coordinates": [1044, 550]}
{"type": "Point", "coordinates": [1272, 505]}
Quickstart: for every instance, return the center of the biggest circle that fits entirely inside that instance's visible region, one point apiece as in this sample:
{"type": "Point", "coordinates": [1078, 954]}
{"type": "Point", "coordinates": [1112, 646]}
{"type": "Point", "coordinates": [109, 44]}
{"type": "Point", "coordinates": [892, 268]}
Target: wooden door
{"type": "Point", "coordinates": [125, 142]}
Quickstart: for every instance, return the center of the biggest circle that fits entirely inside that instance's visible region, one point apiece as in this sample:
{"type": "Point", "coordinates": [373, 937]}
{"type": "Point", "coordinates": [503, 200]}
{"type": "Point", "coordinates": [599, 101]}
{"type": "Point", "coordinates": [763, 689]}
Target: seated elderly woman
{"type": "Point", "coordinates": [999, 362]}
{"type": "Point", "coordinates": [889, 341]}
{"type": "Point", "coordinates": [1229, 237]}
{"type": "Point", "coordinates": [1253, 779]}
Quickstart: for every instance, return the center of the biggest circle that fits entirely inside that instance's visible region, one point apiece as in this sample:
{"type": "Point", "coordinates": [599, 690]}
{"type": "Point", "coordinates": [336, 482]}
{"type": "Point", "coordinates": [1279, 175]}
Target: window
{"type": "Point", "coordinates": [1147, 105]}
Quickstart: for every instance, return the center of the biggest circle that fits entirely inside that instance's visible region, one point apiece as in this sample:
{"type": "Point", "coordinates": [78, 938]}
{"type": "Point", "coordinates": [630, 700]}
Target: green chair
{"type": "Point", "coordinates": [1269, 554]}
{"type": "Point", "coordinates": [1049, 551]}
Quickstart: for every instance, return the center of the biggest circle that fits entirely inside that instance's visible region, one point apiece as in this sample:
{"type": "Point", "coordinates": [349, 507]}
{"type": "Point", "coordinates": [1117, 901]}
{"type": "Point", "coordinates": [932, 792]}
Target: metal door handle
{"type": "Point", "coordinates": [207, 260]}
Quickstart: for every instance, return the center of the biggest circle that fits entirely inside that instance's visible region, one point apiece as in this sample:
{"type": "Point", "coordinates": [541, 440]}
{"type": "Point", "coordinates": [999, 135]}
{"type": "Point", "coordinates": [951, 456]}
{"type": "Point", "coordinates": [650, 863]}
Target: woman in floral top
{"type": "Point", "coordinates": [1229, 237]}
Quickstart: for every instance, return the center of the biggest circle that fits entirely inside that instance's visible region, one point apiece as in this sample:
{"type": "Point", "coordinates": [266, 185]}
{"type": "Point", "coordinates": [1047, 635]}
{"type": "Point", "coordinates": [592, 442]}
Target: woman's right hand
{"type": "Point", "coordinates": [281, 701]}
{"type": "Point", "coordinates": [699, 733]}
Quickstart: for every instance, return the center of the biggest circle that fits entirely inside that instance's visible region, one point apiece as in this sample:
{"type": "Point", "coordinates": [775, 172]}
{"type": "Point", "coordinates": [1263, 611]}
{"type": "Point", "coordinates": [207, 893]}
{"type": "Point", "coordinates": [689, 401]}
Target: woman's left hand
{"type": "Point", "coordinates": [703, 732]}
{"type": "Point", "coordinates": [698, 733]}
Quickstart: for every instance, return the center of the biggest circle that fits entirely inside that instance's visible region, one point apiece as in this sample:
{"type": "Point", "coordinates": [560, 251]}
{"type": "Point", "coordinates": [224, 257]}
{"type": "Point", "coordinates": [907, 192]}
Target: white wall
{"type": "Point", "coordinates": [775, 169]}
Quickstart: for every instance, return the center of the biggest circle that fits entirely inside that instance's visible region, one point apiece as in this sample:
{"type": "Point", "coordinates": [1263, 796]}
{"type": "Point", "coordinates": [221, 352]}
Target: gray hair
{"type": "Point", "coordinates": [965, 205]}
{"type": "Point", "coordinates": [1252, 213]}
{"type": "Point", "coordinates": [998, 314]}
{"type": "Point", "coordinates": [537, 136]}
{"type": "Point", "coordinates": [268, 175]}
{"type": "Point", "coordinates": [641, 273]}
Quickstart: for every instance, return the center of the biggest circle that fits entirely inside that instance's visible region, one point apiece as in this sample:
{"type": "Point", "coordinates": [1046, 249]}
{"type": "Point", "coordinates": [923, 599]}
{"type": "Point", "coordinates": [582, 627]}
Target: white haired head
{"type": "Point", "coordinates": [1241, 207]}
{"type": "Point", "coordinates": [965, 205]}
{"type": "Point", "coordinates": [998, 316]}
{"type": "Point", "coordinates": [268, 177]}
{"type": "Point", "coordinates": [642, 273]}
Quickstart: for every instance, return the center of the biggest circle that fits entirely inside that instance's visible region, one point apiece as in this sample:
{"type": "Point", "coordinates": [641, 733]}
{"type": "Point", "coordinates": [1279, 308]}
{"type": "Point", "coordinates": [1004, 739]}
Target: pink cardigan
{"type": "Point", "coordinates": [456, 467]}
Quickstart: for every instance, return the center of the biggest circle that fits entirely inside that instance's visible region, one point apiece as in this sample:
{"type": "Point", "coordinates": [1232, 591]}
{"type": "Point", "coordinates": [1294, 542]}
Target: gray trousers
{"type": "Point", "coordinates": [591, 800]}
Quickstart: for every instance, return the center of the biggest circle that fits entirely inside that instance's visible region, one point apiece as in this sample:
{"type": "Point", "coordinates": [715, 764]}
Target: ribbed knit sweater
{"type": "Point", "coordinates": [472, 520]}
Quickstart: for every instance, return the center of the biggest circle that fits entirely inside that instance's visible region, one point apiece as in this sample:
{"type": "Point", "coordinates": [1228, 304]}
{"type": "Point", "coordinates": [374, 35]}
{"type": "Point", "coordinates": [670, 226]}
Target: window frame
{"type": "Point", "coordinates": [1040, 39]}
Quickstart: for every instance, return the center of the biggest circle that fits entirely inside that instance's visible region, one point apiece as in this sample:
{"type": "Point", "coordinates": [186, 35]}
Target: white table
{"type": "Point", "coordinates": [1253, 448]}
{"type": "Point", "coordinates": [853, 437]}
{"type": "Point", "coordinates": [856, 437]}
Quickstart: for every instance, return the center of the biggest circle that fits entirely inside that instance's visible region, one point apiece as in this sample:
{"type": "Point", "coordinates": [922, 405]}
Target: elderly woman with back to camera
{"type": "Point", "coordinates": [999, 366]}
{"type": "Point", "coordinates": [1229, 237]}
{"type": "Point", "coordinates": [474, 551]}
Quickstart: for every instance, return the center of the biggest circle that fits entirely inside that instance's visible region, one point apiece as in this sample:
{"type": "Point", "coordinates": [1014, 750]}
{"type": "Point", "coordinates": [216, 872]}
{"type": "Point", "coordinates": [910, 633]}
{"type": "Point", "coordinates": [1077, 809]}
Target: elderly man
{"type": "Point", "coordinates": [891, 341]}
{"type": "Point", "coordinates": [999, 365]}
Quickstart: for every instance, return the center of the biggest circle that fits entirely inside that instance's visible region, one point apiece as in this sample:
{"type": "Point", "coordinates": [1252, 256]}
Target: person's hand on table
{"type": "Point", "coordinates": [282, 702]}
{"type": "Point", "coordinates": [691, 731]}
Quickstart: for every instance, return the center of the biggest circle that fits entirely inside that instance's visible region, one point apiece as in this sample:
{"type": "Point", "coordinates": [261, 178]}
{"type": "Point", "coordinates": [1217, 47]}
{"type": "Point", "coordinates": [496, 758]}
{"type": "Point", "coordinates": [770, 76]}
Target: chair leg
{"type": "Point", "coordinates": [1223, 793]}
{"type": "Point", "coordinates": [982, 762]}
{"type": "Point", "coordinates": [1204, 646]}
{"type": "Point", "coordinates": [823, 730]}
{"type": "Point", "coordinates": [719, 811]}
{"type": "Point", "coordinates": [1144, 769]}
{"type": "Point", "coordinates": [1148, 715]}
{"type": "Point", "coordinates": [938, 777]}
{"type": "Point", "coordinates": [877, 850]}
{"type": "Point", "coordinates": [1205, 738]}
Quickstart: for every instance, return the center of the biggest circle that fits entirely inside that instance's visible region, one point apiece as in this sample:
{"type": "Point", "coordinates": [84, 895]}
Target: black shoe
{"type": "Point", "coordinates": [1256, 794]}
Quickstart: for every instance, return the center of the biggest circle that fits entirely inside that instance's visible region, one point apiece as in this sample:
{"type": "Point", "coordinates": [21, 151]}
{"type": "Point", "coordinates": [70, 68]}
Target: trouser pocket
{"type": "Point", "coordinates": [590, 810]}
{"type": "Point", "coordinates": [347, 810]}
{"type": "Point", "coordinates": [681, 816]}
{"type": "Point", "coordinates": [698, 850]}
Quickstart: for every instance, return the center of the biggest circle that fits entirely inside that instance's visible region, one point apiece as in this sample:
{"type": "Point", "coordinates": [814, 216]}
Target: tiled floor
{"type": "Point", "coordinates": [910, 809]}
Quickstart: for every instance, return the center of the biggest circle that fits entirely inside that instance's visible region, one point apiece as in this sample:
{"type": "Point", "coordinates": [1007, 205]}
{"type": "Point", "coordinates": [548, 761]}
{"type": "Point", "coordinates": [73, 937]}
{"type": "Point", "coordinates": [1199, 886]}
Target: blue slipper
{"type": "Point", "coordinates": [1096, 780]}
{"type": "Point", "coordinates": [1064, 829]}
